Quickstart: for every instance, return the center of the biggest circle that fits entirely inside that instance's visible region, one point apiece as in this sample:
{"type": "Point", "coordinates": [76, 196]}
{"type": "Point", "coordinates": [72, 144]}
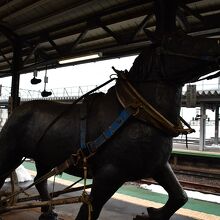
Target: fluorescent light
{"type": "Point", "coordinates": [81, 58]}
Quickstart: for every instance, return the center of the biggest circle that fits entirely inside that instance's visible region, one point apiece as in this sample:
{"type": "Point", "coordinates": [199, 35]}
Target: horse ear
{"type": "Point", "coordinates": [152, 36]}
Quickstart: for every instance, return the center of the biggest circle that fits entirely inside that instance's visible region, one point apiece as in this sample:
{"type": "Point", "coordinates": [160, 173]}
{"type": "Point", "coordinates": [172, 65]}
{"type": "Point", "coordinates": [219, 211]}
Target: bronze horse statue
{"type": "Point", "coordinates": [137, 150]}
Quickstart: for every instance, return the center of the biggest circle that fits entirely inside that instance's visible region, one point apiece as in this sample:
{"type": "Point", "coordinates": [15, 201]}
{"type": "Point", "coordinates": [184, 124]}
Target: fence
{"type": "Point", "coordinates": [27, 94]}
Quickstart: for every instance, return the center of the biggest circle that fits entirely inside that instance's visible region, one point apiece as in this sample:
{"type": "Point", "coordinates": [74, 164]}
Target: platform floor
{"type": "Point", "coordinates": [30, 214]}
{"type": "Point", "coordinates": [120, 207]}
{"type": "Point", "coordinates": [114, 210]}
{"type": "Point", "coordinates": [128, 202]}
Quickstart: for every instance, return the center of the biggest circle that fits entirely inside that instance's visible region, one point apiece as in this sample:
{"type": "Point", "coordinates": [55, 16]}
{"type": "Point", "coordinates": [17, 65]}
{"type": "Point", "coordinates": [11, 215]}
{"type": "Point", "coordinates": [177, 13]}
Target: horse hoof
{"type": "Point", "coordinates": [141, 217]}
{"type": "Point", "coordinates": [48, 216]}
{"type": "Point", "coordinates": [156, 214]}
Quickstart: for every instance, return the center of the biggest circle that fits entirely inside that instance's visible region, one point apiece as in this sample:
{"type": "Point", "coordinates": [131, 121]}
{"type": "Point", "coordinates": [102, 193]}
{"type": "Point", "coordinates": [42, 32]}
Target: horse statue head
{"type": "Point", "coordinates": [177, 58]}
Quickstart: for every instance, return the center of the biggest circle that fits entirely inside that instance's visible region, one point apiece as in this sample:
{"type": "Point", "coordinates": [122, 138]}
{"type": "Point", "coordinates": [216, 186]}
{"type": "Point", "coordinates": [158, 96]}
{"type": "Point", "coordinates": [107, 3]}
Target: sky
{"type": "Point", "coordinates": [94, 73]}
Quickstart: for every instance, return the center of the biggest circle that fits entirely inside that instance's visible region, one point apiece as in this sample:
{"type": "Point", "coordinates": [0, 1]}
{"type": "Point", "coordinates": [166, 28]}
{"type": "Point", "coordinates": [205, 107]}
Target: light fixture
{"type": "Point", "coordinates": [35, 81]}
{"type": "Point", "coordinates": [45, 93]}
{"type": "Point", "coordinates": [81, 58]}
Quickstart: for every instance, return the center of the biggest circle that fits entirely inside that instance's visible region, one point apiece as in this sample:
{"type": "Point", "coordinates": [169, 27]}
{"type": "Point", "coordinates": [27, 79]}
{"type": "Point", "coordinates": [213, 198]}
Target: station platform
{"type": "Point", "coordinates": [115, 209]}
{"type": "Point", "coordinates": [128, 202]}
{"type": "Point", "coordinates": [120, 207]}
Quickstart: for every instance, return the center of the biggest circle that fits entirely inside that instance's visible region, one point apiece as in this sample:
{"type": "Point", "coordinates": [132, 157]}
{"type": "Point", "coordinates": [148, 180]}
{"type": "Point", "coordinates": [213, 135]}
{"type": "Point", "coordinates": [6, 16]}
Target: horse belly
{"type": "Point", "coordinates": [136, 151]}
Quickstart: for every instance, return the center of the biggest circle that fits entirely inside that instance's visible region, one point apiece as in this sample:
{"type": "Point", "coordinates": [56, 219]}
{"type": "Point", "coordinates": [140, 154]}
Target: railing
{"type": "Point", "coordinates": [68, 92]}
{"type": "Point", "coordinates": [26, 93]}
{"type": "Point", "coordinates": [76, 91]}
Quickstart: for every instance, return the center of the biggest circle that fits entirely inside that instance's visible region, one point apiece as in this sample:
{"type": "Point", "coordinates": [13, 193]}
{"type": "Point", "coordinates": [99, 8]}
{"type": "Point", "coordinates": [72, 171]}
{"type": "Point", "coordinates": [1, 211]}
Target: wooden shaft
{"type": "Point", "coordinates": [64, 201]}
{"type": "Point", "coordinates": [55, 194]}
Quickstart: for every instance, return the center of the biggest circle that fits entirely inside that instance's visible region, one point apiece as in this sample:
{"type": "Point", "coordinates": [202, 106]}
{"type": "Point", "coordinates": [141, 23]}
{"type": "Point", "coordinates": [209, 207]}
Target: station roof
{"type": "Point", "coordinates": [52, 30]}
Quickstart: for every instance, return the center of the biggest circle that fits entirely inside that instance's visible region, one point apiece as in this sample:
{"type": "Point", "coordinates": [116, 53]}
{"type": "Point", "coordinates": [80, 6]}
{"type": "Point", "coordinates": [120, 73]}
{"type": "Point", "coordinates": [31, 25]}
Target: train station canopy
{"type": "Point", "coordinates": [44, 32]}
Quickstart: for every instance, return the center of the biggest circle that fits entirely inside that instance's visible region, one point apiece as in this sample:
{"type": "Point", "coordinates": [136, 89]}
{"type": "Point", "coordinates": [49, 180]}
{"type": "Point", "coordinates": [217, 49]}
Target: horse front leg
{"type": "Point", "coordinates": [105, 183]}
{"type": "Point", "coordinates": [177, 196]}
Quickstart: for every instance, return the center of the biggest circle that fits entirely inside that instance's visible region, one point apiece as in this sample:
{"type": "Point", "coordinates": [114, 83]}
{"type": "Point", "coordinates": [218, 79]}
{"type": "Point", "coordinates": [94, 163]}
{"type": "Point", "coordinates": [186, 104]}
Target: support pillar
{"type": "Point", "coordinates": [202, 127]}
{"type": "Point", "coordinates": [165, 12]}
{"type": "Point", "coordinates": [16, 43]}
{"type": "Point", "coordinates": [14, 100]}
{"type": "Point", "coordinates": [216, 124]}
{"type": "Point", "coordinates": [16, 66]}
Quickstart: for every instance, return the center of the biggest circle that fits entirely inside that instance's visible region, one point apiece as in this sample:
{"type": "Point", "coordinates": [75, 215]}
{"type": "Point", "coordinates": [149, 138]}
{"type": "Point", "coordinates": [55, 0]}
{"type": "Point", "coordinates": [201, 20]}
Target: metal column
{"type": "Point", "coordinates": [16, 66]}
{"type": "Point", "coordinates": [202, 127]}
{"type": "Point", "coordinates": [216, 124]}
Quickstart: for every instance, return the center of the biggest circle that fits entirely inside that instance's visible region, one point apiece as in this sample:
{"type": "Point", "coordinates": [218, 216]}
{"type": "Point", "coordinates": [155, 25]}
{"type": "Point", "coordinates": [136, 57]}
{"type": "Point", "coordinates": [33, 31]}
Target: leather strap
{"type": "Point", "coordinates": [129, 97]}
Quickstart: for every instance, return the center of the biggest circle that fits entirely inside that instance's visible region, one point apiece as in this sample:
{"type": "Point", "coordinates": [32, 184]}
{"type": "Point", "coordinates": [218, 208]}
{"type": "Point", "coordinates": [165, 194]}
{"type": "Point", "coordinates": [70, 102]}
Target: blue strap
{"type": "Point", "coordinates": [91, 147]}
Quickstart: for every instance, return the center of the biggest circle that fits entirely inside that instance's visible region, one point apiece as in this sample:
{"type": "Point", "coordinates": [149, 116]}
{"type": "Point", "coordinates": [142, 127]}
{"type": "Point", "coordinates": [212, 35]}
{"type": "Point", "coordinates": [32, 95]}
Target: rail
{"type": "Point", "coordinates": [195, 172]}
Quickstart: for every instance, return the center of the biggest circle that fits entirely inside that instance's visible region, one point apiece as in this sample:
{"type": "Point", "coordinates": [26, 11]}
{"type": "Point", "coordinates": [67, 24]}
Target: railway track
{"type": "Point", "coordinates": [196, 171]}
{"type": "Point", "coordinates": [195, 181]}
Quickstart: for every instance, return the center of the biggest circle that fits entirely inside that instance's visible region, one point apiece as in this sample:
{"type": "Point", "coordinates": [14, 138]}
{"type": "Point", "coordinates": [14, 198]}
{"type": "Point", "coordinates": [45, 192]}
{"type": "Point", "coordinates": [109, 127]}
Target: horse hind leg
{"type": "Point", "coordinates": [177, 196]}
{"type": "Point", "coordinates": [42, 188]}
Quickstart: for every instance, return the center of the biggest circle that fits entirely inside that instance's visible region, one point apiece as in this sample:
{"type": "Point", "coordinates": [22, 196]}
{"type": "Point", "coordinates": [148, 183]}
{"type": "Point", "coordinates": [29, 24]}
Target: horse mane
{"type": "Point", "coordinates": [141, 68]}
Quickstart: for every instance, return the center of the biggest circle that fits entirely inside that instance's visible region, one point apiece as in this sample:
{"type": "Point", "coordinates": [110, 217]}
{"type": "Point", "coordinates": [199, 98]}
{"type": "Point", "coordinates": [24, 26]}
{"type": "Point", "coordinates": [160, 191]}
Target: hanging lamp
{"type": "Point", "coordinates": [35, 81]}
{"type": "Point", "coordinates": [45, 93]}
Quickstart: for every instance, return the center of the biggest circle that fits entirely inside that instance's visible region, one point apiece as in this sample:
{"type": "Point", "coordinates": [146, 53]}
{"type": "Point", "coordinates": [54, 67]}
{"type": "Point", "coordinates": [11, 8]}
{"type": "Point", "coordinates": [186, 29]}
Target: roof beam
{"type": "Point", "coordinates": [5, 58]}
{"type": "Point", "coordinates": [182, 20]}
{"type": "Point", "coordinates": [142, 25]}
{"type": "Point", "coordinates": [42, 54]}
{"type": "Point", "coordinates": [54, 45]}
{"type": "Point", "coordinates": [17, 8]}
{"type": "Point", "coordinates": [122, 6]}
{"type": "Point", "coordinates": [110, 32]}
{"type": "Point", "coordinates": [33, 49]}
{"type": "Point", "coordinates": [79, 38]}
{"type": "Point", "coordinates": [107, 49]}
{"type": "Point", "coordinates": [8, 33]}
{"type": "Point", "coordinates": [208, 32]}
{"type": "Point", "coordinates": [194, 13]}
{"type": "Point", "coordinates": [28, 7]}
{"type": "Point", "coordinates": [2, 3]}
{"type": "Point", "coordinates": [34, 21]}
{"type": "Point", "coordinates": [4, 73]}
{"type": "Point", "coordinates": [75, 30]}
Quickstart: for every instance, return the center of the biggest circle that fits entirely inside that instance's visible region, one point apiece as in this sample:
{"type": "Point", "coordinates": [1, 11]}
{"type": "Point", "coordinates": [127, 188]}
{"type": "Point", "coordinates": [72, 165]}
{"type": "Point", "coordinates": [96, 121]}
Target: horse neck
{"type": "Point", "coordinates": [164, 97]}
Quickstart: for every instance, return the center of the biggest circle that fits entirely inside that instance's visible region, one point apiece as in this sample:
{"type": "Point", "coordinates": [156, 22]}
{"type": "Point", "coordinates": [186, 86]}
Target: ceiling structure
{"type": "Point", "coordinates": [47, 31]}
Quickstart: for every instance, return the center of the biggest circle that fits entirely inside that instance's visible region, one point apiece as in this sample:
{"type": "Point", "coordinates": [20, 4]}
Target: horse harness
{"type": "Point", "coordinates": [133, 105]}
